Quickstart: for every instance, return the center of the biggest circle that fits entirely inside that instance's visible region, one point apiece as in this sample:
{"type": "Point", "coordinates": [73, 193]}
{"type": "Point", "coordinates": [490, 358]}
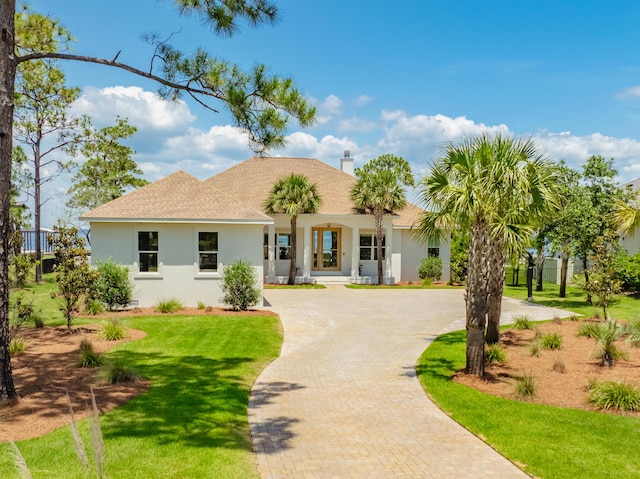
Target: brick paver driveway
{"type": "Point", "coordinates": [343, 400]}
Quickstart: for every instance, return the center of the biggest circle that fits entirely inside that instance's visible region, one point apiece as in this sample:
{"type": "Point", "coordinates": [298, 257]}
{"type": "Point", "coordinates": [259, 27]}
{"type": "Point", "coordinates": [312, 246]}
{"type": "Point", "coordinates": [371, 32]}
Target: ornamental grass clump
{"type": "Point", "coordinates": [551, 341]}
{"type": "Point", "coordinates": [617, 395]}
{"type": "Point", "coordinates": [607, 334]}
{"type": "Point", "coordinates": [526, 386]}
{"type": "Point", "coordinates": [88, 357]}
{"type": "Point", "coordinates": [522, 322]}
{"type": "Point", "coordinates": [18, 345]}
{"type": "Point", "coordinates": [495, 353]}
{"type": "Point", "coordinates": [170, 305]}
{"type": "Point", "coordinates": [113, 330]}
{"type": "Point", "coordinates": [116, 372]}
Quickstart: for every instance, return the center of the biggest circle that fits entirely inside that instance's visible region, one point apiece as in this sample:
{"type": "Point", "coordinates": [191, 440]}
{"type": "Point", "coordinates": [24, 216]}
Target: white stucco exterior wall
{"type": "Point", "coordinates": [178, 273]}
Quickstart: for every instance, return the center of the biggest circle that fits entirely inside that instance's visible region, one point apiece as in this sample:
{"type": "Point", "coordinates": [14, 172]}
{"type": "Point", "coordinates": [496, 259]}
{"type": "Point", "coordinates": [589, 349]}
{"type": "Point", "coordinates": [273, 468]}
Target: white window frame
{"type": "Point", "coordinates": [149, 251]}
{"type": "Point", "coordinates": [373, 247]}
{"type": "Point", "coordinates": [278, 247]}
{"type": "Point", "coordinates": [215, 251]}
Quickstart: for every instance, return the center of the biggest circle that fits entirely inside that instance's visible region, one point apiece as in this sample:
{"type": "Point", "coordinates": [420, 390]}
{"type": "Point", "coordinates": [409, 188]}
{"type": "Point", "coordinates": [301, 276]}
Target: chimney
{"type": "Point", "coordinates": [346, 163]}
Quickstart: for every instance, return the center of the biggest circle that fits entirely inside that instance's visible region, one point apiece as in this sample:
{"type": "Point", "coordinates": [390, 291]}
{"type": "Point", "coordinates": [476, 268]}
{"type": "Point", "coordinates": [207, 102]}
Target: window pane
{"type": "Point", "coordinates": [433, 251]}
{"type": "Point", "coordinates": [375, 240]}
{"type": "Point", "coordinates": [208, 261]}
{"type": "Point", "coordinates": [283, 252]}
{"type": "Point", "coordinates": [149, 262]}
{"type": "Point", "coordinates": [284, 239]}
{"type": "Point", "coordinates": [207, 241]}
{"type": "Point", "coordinates": [365, 254]}
{"type": "Point", "coordinates": [434, 242]}
{"type": "Point", "coordinates": [366, 240]}
{"type": "Point", "coordinates": [147, 241]}
{"type": "Point", "coordinates": [375, 253]}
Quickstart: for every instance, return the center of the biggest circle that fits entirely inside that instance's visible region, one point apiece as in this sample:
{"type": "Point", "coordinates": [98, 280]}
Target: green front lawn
{"type": "Point", "coordinates": [193, 420]}
{"type": "Point", "coordinates": [626, 307]}
{"type": "Point", "coordinates": [549, 442]}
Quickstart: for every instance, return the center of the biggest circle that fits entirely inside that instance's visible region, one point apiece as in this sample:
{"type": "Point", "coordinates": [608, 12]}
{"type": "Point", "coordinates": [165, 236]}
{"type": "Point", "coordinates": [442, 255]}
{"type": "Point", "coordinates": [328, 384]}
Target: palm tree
{"type": "Point", "coordinates": [495, 187]}
{"type": "Point", "coordinates": [380, 190]}
{"type": "Point", "coordinates": [293, 195]}
{"type": "Point", "coordinates": [627, 215]}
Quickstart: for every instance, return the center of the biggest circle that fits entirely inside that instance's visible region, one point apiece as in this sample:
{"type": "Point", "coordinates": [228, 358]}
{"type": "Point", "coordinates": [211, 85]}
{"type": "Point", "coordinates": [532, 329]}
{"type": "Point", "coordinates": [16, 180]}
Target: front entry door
{"type": "Point", "coordinates": [326, 249]}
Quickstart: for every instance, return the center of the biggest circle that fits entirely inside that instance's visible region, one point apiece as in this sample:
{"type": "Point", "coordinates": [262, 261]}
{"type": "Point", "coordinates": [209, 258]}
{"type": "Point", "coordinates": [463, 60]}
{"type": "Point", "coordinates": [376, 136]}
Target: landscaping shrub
{"type": "Point", "coordinates": [495, 353]}
{"type": "Point", "coordinates": [536, 344]}
{"type": "Point", "coordinates": [115, 372]}
{"type": "Point", "coordinates": [614, 395]}
{"type": "Point", "coordinates": [522, 322]}
{"type": "Point", "coordinates": [94, 307]}
{"type": "Point", "coordinates": [20, 269]}
{"type": "Point", "coordinates": [201, 305]}
{"type": "Point", "coordinates": [551, 341]}
{"type": "Point", "coordinates": [114, 287]}
{"type": "Point", "coordinates": [430, 268]}
{"type": "Point", "coordinates": [606, 334]}
{"type": "Point", "coordinates": [627, 270]}
{"type": "Point", "coordinates": [18, 345]}
{"type": "Point", "coordinates": [239, 285]}
{"type": "Point", "coordinates": [170, 305]}
{"type": "Point", "coordinates": [113, 330]}
{"type": "Point", "coordinates": [634, 332]}
{"type": "Point", "coordinates": [526, 386]}
{"type": "Point", "coordinates": [88, 357]}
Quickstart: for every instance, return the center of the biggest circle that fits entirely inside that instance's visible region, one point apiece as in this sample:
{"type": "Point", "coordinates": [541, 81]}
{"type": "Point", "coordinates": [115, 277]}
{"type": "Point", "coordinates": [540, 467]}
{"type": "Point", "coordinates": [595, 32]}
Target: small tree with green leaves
{"type": "Point", "coordinates": [240, 285]}
{"type": "Point", "coordinates": [114, 287]}
{"type": "Point", "coordinates": [603, 283]}
{"type": "Point", "coordinates": [75, 278]}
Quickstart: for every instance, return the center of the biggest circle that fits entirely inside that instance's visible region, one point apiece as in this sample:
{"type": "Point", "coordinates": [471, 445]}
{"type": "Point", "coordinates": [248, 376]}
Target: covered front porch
{"type": "Point", "coordinates": [330, 250]}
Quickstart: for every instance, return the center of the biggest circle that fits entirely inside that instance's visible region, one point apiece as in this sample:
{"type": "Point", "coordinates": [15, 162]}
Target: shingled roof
{"type": "Point", "coordinates": [177, 197]}
{"type": "Point", "coordinates": [251, 181]}
{"type": "Point", "coordinates": [236, 194]}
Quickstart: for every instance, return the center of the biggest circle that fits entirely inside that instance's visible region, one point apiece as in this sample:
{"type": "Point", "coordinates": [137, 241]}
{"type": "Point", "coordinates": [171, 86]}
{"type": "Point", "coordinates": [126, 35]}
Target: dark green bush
{"type": "Point", "coordinates": [627, 270]}
{"type": "Point", "coordinates": [115, 372]}
{"type": "Point", "coordinates": [115, 289]}
{"type": "Point", "coordinates": [430, 268]}
{"type": "Point", "coordinates": [240, 285]}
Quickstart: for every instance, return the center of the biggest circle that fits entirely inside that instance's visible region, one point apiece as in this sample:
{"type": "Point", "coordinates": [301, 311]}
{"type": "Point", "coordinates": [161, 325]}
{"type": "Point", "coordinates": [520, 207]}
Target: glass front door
{"type": "Point", "coordinates": [326, 249]}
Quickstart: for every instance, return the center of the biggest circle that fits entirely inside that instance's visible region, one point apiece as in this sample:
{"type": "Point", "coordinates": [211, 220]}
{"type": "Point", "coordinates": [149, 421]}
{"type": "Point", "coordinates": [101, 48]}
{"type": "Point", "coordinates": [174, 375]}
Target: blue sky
{"type": "Point", "coordinates": [387, 77]}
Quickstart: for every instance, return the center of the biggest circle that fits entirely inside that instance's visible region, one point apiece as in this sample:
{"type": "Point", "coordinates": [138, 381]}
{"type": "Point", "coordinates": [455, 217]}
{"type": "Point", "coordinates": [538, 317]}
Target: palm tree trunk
{"type": "Point", "coordinates": [292, 251]}
{"type": "Point", "coordinates": [476, 297]}
{"type": "Point", "coordinates": [497, 259]}
{"type": "Point", "coordinates": [564, 266]}
{"type": "Point", "coordinates": [8, 68]}
{"type": "Point", "coordinates": [539, 266]}
{"type": "Point", "coordinates": [378, 215]}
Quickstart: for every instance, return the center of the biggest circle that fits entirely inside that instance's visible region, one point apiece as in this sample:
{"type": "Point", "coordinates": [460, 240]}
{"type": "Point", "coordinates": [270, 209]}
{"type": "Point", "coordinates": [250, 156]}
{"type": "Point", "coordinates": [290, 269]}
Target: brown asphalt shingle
{"type": "Point", "coordinates": [179, 196]}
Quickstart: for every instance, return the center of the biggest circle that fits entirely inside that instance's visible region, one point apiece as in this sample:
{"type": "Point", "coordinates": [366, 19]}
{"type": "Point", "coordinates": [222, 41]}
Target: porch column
{"type": "Point", "coordinates": [308, 254]}
{"type": "Point", "coordinates": [355, 254]}
{"type": "Point", "coordinates": [271, 262]}
{"type": "Point", "coordinates": [388, 273]}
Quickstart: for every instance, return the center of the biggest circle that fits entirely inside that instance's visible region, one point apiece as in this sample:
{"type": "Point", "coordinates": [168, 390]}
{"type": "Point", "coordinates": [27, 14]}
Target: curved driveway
{"type": "Point", "coordinates": [343, 400]}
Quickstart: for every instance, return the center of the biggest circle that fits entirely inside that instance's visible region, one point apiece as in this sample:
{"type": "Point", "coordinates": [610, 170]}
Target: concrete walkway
{"type": "Point", "coordinates": [343, 400]}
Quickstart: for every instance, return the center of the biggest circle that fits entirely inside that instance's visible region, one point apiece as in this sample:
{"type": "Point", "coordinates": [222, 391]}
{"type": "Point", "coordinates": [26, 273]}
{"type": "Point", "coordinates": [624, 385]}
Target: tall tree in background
{"type": "Point", "coordinates": [293, 195]}
{"type": "Point", "coordinates": [259, 102]}
{"type": "Point", "coordinates": [379, 191]}
{"type": "Point", "coordinates": [42, 123]}
{"type": "Point", "coordinates": [496, 187]}
{"type": "Point", "coordinates": [108, 170]}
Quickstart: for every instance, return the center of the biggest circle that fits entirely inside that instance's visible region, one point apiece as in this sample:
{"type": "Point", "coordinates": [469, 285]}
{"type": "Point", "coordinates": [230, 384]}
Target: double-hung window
{"type": "Point", "coordinates": [369, 247]}
{"type": "Point", "coordinates": [283, 244]}
{"type": "Point", "coordinates": [148, 251]}
{"type": "Point", "coordinates": [208, 251]}
{"type": "Point", "coordinates": [433, 247]}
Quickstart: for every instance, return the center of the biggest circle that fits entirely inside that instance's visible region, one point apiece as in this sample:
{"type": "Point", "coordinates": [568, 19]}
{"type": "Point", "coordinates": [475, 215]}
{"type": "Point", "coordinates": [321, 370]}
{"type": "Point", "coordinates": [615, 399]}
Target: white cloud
{"type": "Point", "coordinates": [628, 93]}
{"type": "Point", "coordinates": [363, 100]}
{"type": "Point", "coordinates": [328, 148]}
{"type": "Point", "coordinates": [145, 110]}
{"type": "Point", "coordinates": [576, 149]}
{"type": "Point", "coordinates": [416, 133]}
{"type": "Point", "coordinates": [359, 125]}
{"type": "Point", "coordinates": [327, 109]}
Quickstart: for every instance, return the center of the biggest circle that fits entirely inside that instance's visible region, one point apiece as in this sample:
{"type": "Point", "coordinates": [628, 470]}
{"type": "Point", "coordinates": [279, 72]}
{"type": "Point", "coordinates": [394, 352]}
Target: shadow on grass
{"type": "Point", "coordinates": [196, 400]}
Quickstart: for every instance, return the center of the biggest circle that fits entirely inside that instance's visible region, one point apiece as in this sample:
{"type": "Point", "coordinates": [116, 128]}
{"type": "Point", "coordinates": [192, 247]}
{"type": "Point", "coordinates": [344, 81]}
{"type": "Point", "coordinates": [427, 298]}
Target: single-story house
{"type": "Point", "coordinates": [631, 240]}
{"type": "Point", "coordinates": [177, 233]}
